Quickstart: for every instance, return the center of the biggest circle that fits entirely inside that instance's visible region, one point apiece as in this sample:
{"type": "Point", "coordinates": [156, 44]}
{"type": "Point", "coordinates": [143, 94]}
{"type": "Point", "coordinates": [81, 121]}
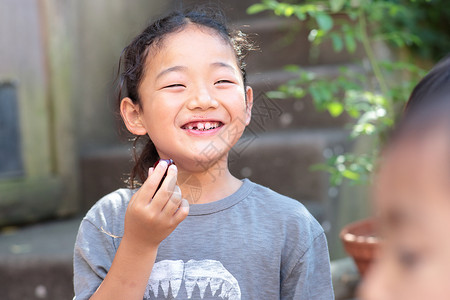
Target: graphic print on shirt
{"type": "Point", "coordinates": [204, 279]}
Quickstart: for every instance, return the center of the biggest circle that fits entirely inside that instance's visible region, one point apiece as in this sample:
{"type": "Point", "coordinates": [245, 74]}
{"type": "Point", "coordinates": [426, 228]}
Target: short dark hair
{"type": "Point", "coordinates": [434, 86]}
{"type": "Point", "coordinates": [428, 106]}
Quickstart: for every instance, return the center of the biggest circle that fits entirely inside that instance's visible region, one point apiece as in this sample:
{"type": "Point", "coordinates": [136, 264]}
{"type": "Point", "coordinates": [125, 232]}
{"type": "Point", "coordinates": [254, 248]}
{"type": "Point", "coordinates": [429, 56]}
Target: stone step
{"type": "Point", "coordinates": [281, 114]}
{"type": "Point", "coordinates": [283, 41]}
{"type": "Point", "coordinates": [36, 261]}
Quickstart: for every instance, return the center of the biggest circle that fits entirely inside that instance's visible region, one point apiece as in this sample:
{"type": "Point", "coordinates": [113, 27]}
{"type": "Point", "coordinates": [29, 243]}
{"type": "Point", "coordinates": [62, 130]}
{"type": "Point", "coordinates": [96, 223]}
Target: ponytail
{"type": "Point", "coordinates": [143, 160]}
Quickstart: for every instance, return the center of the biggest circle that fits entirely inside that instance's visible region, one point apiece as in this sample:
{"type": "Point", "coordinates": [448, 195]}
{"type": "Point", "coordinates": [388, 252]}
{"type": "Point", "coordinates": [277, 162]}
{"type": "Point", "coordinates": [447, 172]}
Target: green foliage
{"type": "Point", "coordinates": [374, 95]}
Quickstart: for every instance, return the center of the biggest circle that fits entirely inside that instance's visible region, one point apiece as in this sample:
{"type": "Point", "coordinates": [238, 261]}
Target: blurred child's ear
{"type": "Point", "coordinates": [131, 116]}
{"type": "Point", "coordinates": [249, 104]}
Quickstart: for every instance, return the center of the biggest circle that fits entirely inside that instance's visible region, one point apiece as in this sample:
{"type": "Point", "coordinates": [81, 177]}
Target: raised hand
{"type": "Point", "coordinates": [148, 221]}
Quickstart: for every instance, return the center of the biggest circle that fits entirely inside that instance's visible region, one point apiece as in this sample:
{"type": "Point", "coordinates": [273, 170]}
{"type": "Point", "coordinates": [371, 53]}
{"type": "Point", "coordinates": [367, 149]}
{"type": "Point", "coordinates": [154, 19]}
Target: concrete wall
{"type": "Point", "coordinates": [105, 27]}
{"type": "Point", "coordinates": [61, 55]}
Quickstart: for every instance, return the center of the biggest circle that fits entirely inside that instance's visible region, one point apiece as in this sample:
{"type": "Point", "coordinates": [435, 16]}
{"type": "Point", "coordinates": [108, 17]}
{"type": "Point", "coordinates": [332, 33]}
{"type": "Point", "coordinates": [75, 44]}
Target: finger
{"type": "Point", "coordinates": [150, 171]}
{"type": "Point", "coordinates": [136, 194]}
{"type": "Point", "coordinates": [182, 212]}
{"type": "Point", "coordinates": [174, 202]}
{"type": "Point", "coordinates": [150, 185]}
{"type": "Point", "coordinates": [163, 195]}
{"type": "Point", "coordinates": [170, 181]}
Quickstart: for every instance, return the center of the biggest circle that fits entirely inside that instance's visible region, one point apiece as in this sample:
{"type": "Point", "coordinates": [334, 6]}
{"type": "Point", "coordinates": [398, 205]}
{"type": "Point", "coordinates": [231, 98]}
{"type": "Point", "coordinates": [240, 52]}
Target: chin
{"type": "Point", "coordinates": [200, 164]}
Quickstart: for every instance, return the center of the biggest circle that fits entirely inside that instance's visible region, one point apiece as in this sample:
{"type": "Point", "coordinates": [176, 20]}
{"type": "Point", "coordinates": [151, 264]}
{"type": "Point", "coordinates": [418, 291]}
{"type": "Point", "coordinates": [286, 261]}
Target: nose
{"type": "Point", "coordinates": [202, 99]}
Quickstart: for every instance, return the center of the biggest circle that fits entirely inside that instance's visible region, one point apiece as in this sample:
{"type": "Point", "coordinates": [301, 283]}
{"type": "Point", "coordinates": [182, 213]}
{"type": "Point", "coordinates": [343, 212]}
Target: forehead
{"type": "Point", "coordinates": [193, 38]}
{"type": "Point", "coordinates": [414, 176]}
{"type": "Point", "coordinates": [417, 156]}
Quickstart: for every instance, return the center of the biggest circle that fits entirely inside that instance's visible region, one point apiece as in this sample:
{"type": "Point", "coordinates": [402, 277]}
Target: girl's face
{"type": "Point", "coordinates": [192, 98]}
{"type": "Point", "coordinates": [413, 206]}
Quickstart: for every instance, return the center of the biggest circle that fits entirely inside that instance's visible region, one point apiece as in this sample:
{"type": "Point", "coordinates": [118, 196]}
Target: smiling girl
{"type": "Point", "coordinates": [183, 88]}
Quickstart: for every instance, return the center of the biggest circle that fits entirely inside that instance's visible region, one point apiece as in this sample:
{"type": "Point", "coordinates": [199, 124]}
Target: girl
{"type": "Point", "coordinates": [204, 234]}
{"type": "Point", "coordinates": [413, 199]}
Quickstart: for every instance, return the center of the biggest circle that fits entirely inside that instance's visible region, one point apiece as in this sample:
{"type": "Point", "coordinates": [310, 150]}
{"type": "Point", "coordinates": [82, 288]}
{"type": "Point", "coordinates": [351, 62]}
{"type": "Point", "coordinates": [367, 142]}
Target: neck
{"type": "Point", "coordinates": [208, 185]}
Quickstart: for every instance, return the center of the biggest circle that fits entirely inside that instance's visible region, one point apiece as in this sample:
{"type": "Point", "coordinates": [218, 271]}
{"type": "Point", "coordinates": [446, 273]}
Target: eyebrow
{"type": "Point", "coordinates": [398, 217]}
{"type": "Point", "coordinates": [171, 69]}
{"type": "Point", "coordinates": [222, 65]}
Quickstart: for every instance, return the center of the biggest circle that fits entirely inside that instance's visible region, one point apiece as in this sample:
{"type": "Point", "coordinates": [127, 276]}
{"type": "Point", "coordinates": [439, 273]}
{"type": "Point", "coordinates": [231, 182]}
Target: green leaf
{"type": "Point", "coordinates": [350, 174]}
{"type": "Point", "coordinates": [300, 15]}
{"type": "Point", "coordinates": [276, 95]}
{"type": "Point", "coordinates": [338, 45]}
{"type": "Point", "coordinates": [353, 112]}
{"type": "Point", "coordinates": [335, 109]}
{"type": "Point", "coordinates": [256, 8]}
{"type": "Point", "coordinates": [336, 5]}
{"type": "Point", "coordinates": [350, 42]}
{"type": "Point", "coordinates": [324, 21]}
{"type": "Point", "coordinates": [288, 11]}
{"type": "Point", "coordinates": [292, 68]}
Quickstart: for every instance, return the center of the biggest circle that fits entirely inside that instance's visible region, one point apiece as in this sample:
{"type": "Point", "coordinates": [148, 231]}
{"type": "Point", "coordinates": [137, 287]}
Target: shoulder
{"type": "Point", "coordinates": [288, 212]}
{"type": "Point", "coordinates": [110, 209]}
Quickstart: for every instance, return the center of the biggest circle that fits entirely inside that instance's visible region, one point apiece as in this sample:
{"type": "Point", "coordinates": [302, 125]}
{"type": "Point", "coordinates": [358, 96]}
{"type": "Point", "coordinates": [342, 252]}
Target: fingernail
{"type": "Point", "coordinates": [184, 204]}
{"type": "Point", "coordinates": [150, 170]}
{"type": "Point", "coordinates": [173, 167]}
{"type": "Point", "coordinates": [162, 164]}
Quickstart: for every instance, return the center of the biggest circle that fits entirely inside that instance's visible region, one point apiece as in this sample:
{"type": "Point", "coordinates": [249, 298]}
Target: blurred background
{"type": "Point", "coordinates": [62, 147]}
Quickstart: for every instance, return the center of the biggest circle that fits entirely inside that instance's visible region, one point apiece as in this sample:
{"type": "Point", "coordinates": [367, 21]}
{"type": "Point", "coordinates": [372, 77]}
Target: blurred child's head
{"type": "Point", "coordinates": [147, 53]}
{"type": "Point", "coordinates": [412, 199]}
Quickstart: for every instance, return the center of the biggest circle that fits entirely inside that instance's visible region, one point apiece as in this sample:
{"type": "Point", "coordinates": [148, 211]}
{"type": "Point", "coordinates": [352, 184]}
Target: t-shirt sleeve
{"type": "Point", "coordinates": [93, 255]}
{"type": "Point", "coordinates": [310, 278]}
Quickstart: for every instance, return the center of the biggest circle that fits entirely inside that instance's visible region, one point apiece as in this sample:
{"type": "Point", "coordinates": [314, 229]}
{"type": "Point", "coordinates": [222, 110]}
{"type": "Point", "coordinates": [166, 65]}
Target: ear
{"type": "Point", "coordinates": [249, 104]}
{"type": "Point", "coordinates": [130, 113]}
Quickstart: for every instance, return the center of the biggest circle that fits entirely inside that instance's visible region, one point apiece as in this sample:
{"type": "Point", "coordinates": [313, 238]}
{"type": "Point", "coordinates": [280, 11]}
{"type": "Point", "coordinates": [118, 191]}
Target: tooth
{"type": "Point", "coordinates": [165, 286]}
{"type": "Point", "coordinates": [190, 127]}
{"type": "Point", "coordinates": [207, 125]}
{"type": "Point", "coordinates": [189, 283]}
{"type": "Point", "coordinates": [215, 284]}
{"type": "Point", "coordinates": [202, 284]}
{"type": "Point", "coordinates": [154, 286]}
{"type": "Point", "coordinates": [200, 126]}
{"type": "Point", "coordinates": [175, 284]}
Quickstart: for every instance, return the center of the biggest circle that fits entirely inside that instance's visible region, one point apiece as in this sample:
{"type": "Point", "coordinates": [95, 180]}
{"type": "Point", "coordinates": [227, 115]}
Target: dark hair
{"type": "Point", "coordinates": [434, 86]}
{"type": "Point", "coordinates": [133, 58]}
{"type": "Point", "coordinates": [428, 106]}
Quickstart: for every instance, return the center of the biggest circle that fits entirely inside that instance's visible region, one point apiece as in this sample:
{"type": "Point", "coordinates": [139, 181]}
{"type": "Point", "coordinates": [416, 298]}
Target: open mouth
{"type": "Point", "coordinates": [202, 126]}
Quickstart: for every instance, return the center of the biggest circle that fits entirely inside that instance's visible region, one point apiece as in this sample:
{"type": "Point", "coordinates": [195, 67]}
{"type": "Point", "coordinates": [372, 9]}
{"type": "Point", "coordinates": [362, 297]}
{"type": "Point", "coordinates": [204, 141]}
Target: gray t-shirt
{"type": "Point", "coordinates": [254, 244]}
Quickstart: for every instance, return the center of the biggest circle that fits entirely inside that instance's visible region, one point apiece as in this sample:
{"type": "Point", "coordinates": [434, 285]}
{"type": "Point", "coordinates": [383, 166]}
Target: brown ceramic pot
{"type": "Point", "coordinates": [361, 243]}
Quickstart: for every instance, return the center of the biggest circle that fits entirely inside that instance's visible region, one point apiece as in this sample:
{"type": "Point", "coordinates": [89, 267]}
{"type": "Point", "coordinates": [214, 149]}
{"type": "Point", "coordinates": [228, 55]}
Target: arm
{"type": "Point", "coordinates": [310, 278]}
{"type": "Point", "coordinates": [148, 221]}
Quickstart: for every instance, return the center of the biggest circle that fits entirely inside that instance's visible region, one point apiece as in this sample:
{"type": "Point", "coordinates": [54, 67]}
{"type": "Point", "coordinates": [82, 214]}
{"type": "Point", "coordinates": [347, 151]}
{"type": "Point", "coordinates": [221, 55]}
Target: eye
{"type": "Point", "coordinates": [175, 85]}
{"type": "Point", "coordinates": [224, 81]}
{"type": "Point", "coordinates": [408, 258]}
